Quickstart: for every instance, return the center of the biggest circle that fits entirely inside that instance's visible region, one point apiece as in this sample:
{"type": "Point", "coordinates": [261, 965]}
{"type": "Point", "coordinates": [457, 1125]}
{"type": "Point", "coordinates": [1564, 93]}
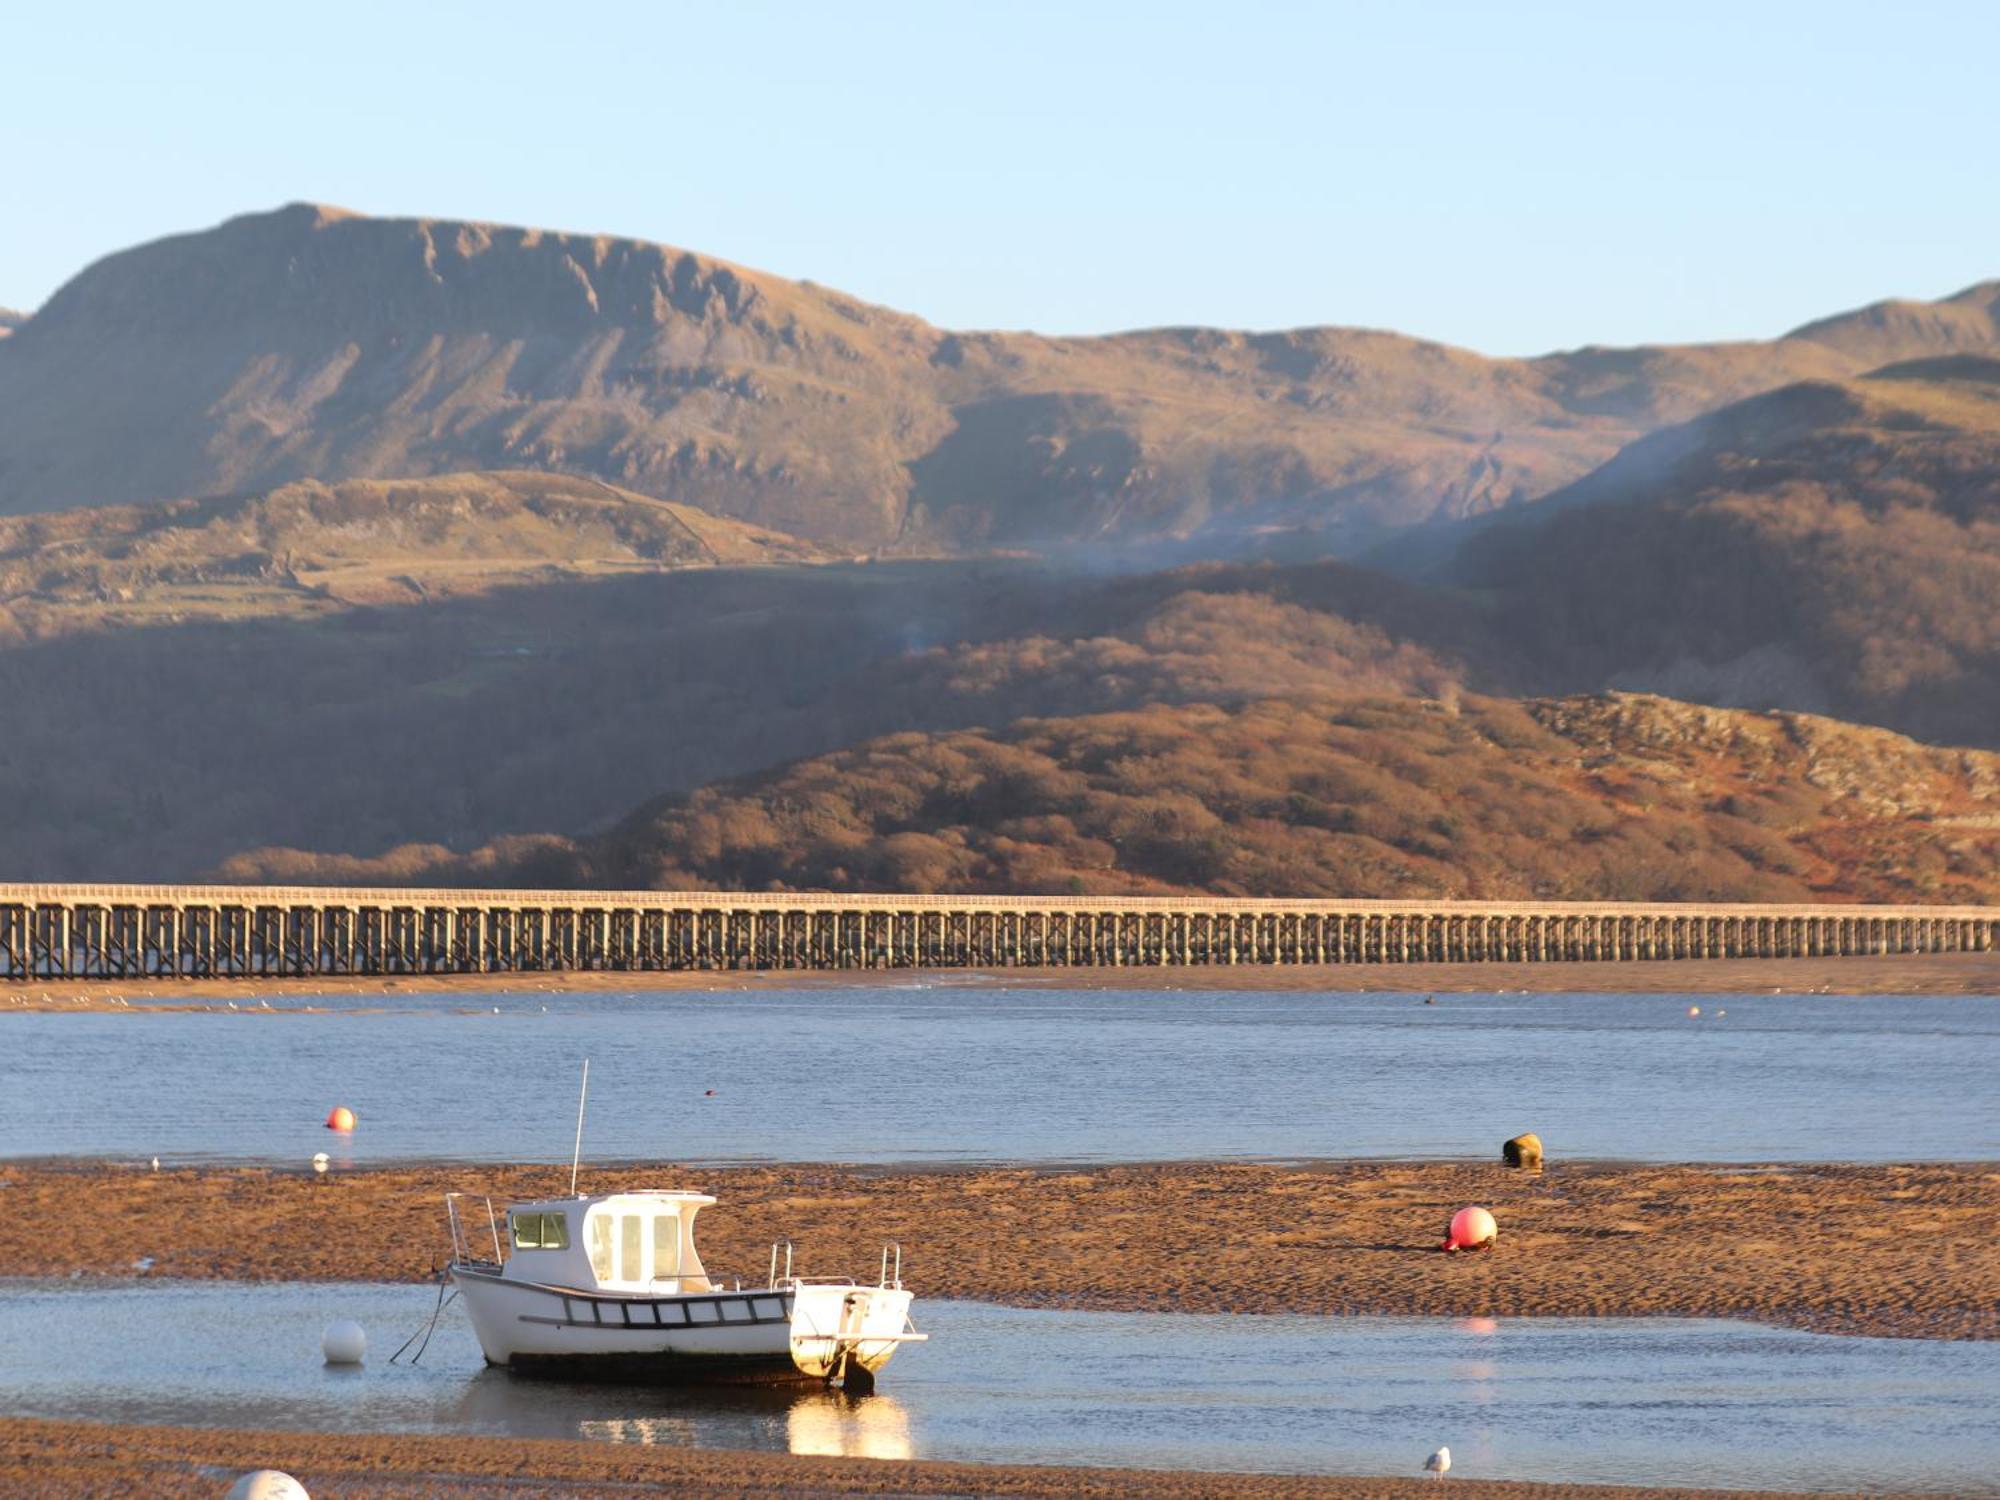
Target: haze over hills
{"type": "Point", "coordinates": [311, 343]}
{"type": "Point", "coordinates": [1831, 546]}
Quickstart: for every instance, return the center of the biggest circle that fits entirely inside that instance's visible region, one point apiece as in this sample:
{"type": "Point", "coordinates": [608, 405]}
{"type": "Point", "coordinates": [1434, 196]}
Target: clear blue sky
{"type": "Point", "coordinates": [1512, 177]}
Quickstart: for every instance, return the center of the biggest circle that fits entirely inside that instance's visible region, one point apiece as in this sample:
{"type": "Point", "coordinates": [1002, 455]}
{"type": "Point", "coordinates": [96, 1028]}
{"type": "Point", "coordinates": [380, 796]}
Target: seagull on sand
{"type": "Point", "coordinates": [1439, 1463]}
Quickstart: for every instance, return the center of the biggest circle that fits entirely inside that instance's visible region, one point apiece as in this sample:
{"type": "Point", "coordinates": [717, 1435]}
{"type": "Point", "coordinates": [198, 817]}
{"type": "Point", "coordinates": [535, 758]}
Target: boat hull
{"type": "Point", "coordinates": [769, 1335]}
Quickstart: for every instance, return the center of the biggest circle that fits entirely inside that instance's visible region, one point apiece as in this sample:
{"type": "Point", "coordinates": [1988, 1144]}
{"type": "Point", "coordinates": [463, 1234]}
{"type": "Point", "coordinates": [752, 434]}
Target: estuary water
{"type": "Point", "coordinates": [1613, 1401]}
{"type": "Point", "coordinates": [920, 1071]}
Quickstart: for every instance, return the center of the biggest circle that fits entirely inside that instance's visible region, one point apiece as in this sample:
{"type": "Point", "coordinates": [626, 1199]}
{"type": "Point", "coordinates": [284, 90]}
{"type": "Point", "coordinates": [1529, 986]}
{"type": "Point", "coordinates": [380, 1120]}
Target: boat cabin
{"type": "Point", "coordinates": [621, 1242]}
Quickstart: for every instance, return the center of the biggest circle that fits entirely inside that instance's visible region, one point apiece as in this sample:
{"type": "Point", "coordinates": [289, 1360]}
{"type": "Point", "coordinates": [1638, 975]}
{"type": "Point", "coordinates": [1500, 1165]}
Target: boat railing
{"type": "Point", "coordinates": [463, 1234]}
{"type": "Point", "coordinates": [890, 1277]}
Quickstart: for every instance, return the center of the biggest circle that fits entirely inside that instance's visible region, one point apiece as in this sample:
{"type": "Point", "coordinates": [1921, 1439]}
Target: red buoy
{"type": "Point", "coordinates": [341, 1119]}
{"type": "Point", "coordinates": [1471, 1229]}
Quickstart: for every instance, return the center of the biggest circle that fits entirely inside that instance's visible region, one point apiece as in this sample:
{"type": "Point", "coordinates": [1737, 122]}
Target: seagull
{"type": "Point", "coordinates": [1439, 1463]}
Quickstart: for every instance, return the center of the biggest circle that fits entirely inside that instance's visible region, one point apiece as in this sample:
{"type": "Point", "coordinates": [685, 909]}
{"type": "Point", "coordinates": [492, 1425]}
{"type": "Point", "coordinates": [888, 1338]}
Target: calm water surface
{"type": "Point", "coordinates": [1632, 1401]}
{"type": "Point", "coordinates": [930, 1072]}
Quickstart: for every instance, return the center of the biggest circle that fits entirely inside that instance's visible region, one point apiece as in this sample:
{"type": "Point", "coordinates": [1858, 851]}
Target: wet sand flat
{"type": "Point", "coordinates": [78, 1458]}
{"type": "Point", "coordinates": [1893, 974]}
{"type": "Point", "coordinates": [1891, 1250]}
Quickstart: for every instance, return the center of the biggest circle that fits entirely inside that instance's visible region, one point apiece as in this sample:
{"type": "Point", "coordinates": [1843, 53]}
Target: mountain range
{"type": "Point", "coordinates": [314, 343]}
{"type": "Point", "coordinates": [336, 547]}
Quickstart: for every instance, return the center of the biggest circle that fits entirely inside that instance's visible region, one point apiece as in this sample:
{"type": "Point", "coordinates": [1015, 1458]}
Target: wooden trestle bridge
{"type": "Point", "coordinates": [144, 932]}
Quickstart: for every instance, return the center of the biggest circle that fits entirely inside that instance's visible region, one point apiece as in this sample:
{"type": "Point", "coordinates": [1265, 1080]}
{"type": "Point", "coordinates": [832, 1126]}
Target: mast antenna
{"type": "Point", "coordinates": [576, 1155]}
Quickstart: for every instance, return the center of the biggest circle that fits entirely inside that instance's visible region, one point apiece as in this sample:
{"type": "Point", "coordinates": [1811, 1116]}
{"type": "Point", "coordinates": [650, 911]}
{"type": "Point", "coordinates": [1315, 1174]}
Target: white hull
{"type": "Point", "coordinates": [794, 1331]}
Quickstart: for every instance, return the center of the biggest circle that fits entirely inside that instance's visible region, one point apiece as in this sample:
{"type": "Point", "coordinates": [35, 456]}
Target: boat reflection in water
{"type": "Point", "coordinates": [835, 1425]}
{"type": "Point", "coordinates": [778, 1419]}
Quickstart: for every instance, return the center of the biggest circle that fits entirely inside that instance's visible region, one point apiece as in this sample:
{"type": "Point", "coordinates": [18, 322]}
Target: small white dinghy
{"type": "Point", "coordinates": [611, 1287]}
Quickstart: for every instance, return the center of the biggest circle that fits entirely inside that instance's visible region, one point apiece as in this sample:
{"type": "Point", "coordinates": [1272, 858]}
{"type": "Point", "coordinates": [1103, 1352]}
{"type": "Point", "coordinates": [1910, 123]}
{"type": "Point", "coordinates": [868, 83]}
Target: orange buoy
{"type": "Point", "coordinates": [1471, 1229]}
{"type": "Point", "coordinates": [341, 1119]}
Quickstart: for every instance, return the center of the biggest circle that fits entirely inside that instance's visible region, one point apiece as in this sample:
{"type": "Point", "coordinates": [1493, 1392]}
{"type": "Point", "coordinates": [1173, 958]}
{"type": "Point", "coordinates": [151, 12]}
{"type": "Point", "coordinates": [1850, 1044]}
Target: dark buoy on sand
{"type": "Point", "coordinates": [1524, 1151]}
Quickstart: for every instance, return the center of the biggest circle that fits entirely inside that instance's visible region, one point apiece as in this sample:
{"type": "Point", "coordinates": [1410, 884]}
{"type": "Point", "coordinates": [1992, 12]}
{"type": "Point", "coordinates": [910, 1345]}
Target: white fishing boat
{"type": "Point", "coordinates": [611, 1287]}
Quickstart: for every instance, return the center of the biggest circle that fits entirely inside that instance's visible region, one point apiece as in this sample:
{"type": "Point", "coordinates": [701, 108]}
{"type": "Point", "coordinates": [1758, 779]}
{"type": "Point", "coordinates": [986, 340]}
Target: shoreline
{"type": "Point", "coordinates": [41, 1456]}
{"type": "Point", "coordinates": [1891, 974]}
{"type": "Point", "coordinates": [1908, 1252]}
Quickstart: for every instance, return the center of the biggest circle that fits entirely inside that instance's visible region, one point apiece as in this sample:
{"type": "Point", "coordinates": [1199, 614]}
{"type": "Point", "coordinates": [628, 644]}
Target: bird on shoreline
{"type": "Point", "coordinates": [1439, 1463]}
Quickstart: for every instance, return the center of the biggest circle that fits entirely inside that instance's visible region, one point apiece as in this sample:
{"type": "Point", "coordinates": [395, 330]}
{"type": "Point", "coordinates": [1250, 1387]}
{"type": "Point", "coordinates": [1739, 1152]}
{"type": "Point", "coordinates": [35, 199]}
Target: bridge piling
{"type": "Point", "coordinates": [166, 932]}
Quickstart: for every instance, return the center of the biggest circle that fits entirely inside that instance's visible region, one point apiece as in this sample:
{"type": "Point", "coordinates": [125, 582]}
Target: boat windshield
{"type": "Point", "coordinates": [540, 1231]}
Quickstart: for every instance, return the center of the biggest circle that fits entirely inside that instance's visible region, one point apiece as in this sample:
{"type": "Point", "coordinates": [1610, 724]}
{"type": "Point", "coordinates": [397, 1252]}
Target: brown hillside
{"type": "Point", "coordinates": [1618, 797]}
{"type": "Point", "coordinates": [1885, 331]}
{"type": "Point", "coordinates": [1830, 546]}
{"type": "Point", "coordinates": [308, 342]}
{"type": "Point", "coordinates": [278, 717]}
{"type": "Point", "coordinates": [307, 548]}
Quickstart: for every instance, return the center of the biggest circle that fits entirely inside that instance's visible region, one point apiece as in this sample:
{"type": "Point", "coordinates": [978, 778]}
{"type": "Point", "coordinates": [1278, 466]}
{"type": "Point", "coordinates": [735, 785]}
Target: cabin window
{"type": "Point", "coordinates": [541, 1231]}
{"type": "Point", "coordinates": [600, 1246]}
{"type": "Point", "coordinates": [666, 1246]}
{"type": "Point", "coordinates": [631, 1243]}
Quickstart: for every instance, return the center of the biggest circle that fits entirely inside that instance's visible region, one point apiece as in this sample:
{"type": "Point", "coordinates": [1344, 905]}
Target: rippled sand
{"type": "Point", "coordinates": [1895, 1250]}
{"type": "Point", "coordinates": [75, 1458]}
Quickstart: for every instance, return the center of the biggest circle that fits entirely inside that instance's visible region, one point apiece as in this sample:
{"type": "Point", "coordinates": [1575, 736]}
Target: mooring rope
{"type": "Point", "coordinates": [444, 1280]}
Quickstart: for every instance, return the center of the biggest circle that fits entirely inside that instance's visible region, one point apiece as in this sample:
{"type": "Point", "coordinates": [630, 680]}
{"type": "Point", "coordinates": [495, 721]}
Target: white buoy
{"type": "Point", "coordinates": [267, 1484]}
{"type": "Point", "coordinates": [1439, 1463]}
{"type": "Point", "coordinates": [321, 1161]}
{"type": "Point", "coordinates": [343, 1343]}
